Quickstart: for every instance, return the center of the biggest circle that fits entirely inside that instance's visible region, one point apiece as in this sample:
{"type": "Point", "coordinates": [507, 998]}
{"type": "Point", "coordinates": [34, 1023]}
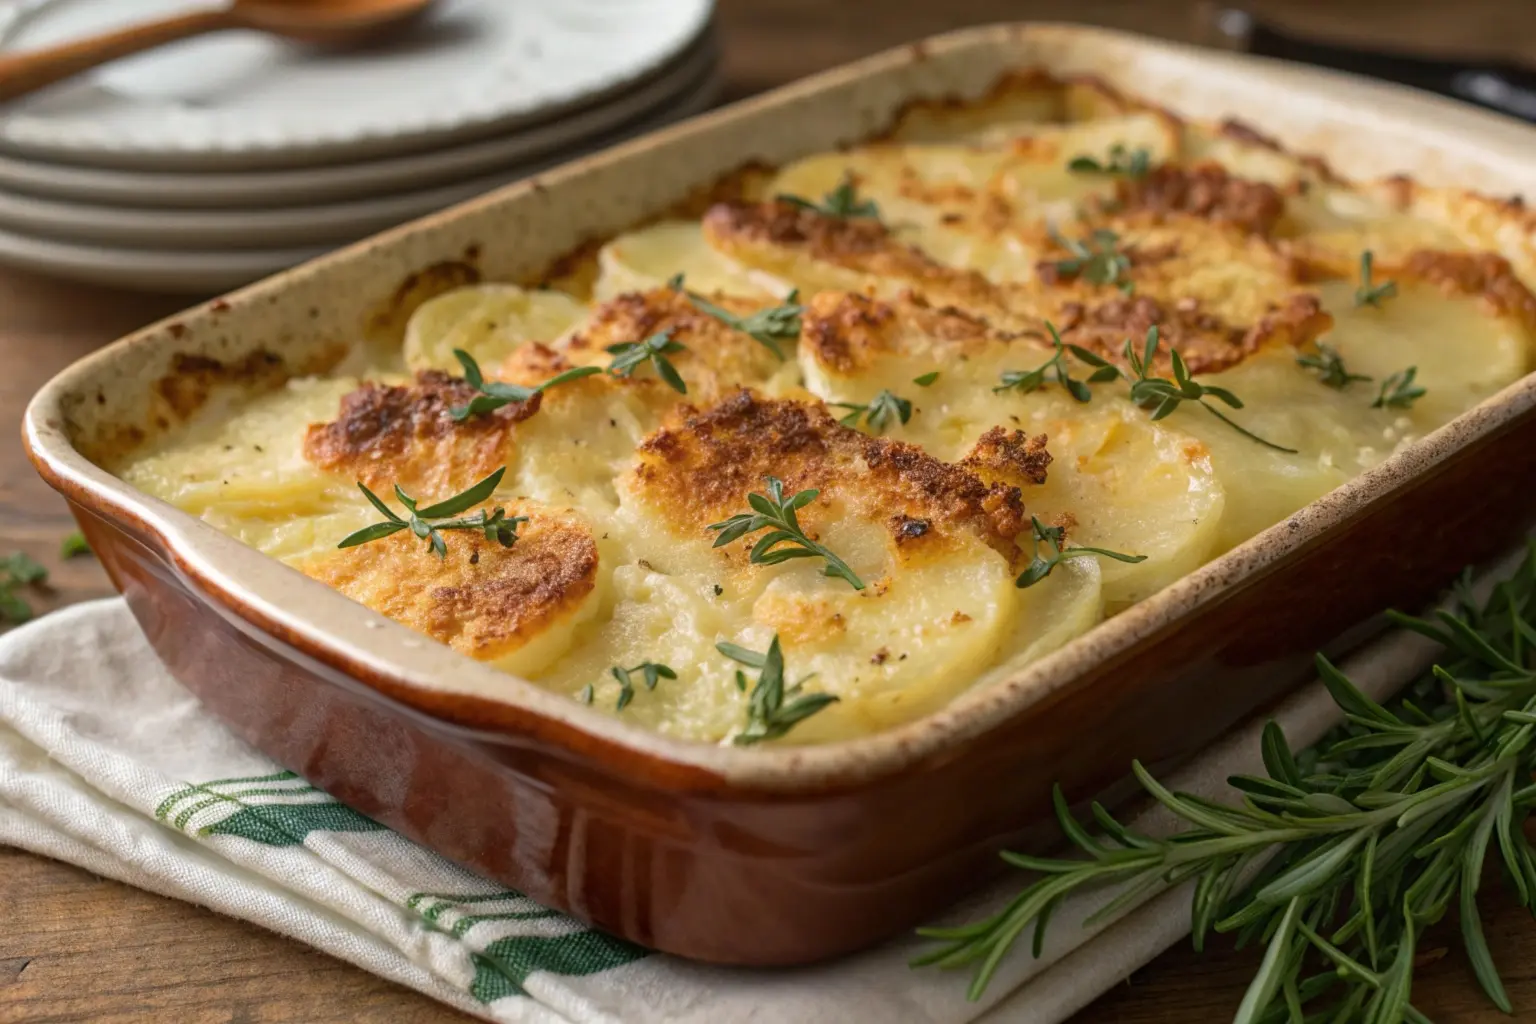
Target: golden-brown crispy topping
{"type": "Point", "coordinates": [1482, 274]}
{"type": "Point", "coordinates": [1207, 342]}
{"type": "Point", "coordinates": [482, 599]}
{"type": "Point", "coordinates": [711, 458]}
{"type": "Point", "coordinates": [387, 434]}
{"type": "Point", "coordinates": [1206, 190]}
{"type": "Point", "coordinates": [1013, 458]}
{"type": "Point", "coordinates": [847, 332]}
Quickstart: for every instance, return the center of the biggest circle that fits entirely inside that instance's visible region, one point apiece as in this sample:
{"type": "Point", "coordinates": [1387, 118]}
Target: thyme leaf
{"type": "Point", "coordinates": [494, 394]}
{"type": "Point", "coordinates": [630, 355]}
{"type": "Point", "coordinates": [775, 513]}
{"type": "Point", "coordinates": [1370, 293]}
{"type": "Point", "coordinates": [1097, 260]}
{"type": "Point", "coordinates": [1133, 163]}
{"type": "Point", "coordinates": [1399, 391]}
{"type": "Point", "coordinates": [843, 201]}
{"type": "Point", "coordinates": [1329, 366]}
{"type": "Point", "coordinates": [767, 326]}
{"type": "Point", "coordinates": [1055, 368]}
{"type": "Point", "coordinates": [772, 709]}
{"type": "Point", "coordinates": [428, 523]}
{"type": "Point", "coordinates": [650, 673]}
{"type": "Point", "coordinates": [1052, 537]}
{"type": "Point", "coordinates": [878, 414]}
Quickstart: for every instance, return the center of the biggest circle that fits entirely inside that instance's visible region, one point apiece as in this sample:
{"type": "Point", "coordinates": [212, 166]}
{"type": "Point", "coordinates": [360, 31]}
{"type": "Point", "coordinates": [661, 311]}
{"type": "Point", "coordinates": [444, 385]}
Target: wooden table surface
{"type": "Point", "coordinates": [75, 947]}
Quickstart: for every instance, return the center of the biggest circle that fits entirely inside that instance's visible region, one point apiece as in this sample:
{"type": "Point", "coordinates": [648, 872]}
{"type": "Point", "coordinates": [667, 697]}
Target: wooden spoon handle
{"type": "Point", "coordinates": [21, 73]}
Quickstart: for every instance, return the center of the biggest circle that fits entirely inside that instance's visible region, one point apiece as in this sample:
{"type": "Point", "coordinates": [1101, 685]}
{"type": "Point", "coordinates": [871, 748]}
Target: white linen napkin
{"type": "Point", "coordinates": [108, 763]}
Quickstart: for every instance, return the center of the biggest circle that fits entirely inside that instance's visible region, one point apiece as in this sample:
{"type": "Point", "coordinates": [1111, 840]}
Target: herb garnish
{"type": "Point", "coordinates": [495, 394]}
{"type": "Point", "coordinates": [767, 326]}
{"type": "Point", "coordinates": [494, 524]}
{"type": "Point", "coordinates": [584, 695]}
{"type": "Point", "coordinates": [842, 201]}
{"type": "Point", "coordinates": [18, 570]}
{"type": "Point", "coordinates": [772, 710]}
{"type": "Point", "coordinates": [628, 355]}
{"type": "Point", "coordinates": [926, 379]}
{"type": "Point", "coordinates": [1052, 537]}
{"type": "Point", "coordinates": [1099, 260]}
{"type": "Point", "coordinates": [1330, 367]}
{"type": "Point", "coordinates": [1399, 391]}
{"type": "Point", "coordinates": [1371, 837]}
{"type": "Point", "coordinates": [1026, 381]}
{"type": "Point", "coordinates": [1133, 163]}
{"type": "Point", "coordinates": [650, 672]}
{"type": "Point", "coordinates": [1369, 293]}
{"type": "Point", "coordinates": [879, 413]}
{"type": "Point", "coordinates": [772, 509]}
{"type": "Point", "coordinates": [1162, 395]}
{"type": "Point", "coordinates": [74, 544]}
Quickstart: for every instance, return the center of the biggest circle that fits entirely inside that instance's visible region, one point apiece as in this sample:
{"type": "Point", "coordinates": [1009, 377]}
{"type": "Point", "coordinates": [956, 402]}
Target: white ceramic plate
{"type": "Point", "coordinates": [470, 67]}
{"type": "Point", "coordinates": [330, 224]}
{"type": "Point", "coordinates": [293, 186]}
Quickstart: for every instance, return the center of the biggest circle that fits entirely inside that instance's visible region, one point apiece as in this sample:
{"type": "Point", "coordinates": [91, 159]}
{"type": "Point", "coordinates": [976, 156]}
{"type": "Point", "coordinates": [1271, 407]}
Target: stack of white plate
{"type": "Point", "coordinates": [215, 161]}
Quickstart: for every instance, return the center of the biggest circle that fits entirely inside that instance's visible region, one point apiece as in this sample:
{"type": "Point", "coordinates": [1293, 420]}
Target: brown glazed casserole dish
{"type": "Point", "coordinates": [745, 855]}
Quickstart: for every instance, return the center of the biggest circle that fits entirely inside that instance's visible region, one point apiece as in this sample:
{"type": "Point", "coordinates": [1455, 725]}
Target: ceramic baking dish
{"type": "Point", "coordinates": [748, 855]}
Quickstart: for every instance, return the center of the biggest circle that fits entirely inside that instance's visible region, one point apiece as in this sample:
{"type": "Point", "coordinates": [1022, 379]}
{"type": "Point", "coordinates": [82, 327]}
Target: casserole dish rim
{"type": "Point", "coordinates": [388, 659]}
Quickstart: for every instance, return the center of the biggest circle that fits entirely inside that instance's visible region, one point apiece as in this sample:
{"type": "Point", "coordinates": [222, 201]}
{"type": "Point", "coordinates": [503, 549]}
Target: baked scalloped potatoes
{"type": "Point", "coordinates": [889, 423]}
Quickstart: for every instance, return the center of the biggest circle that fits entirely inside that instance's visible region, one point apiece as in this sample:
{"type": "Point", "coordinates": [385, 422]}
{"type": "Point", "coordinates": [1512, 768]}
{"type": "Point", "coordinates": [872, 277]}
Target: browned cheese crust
{"type": "Point", "coordinates": [1207, 191]}
{"type": "Point", "coordinates": [848, 332]}
{"type": "Point", "coordinates": [1009, 457]}
{"type": "Point", "coordinates": [1481, 274]}
{"type": "Point", "coordinates": [388, 434]}
{"type": "Point", "coordinates": [700, 469]}
{"type": "Point", "coordinates": [482, 599]}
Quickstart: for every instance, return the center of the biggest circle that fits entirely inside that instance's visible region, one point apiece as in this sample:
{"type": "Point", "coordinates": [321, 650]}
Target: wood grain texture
{"type": "Point", "coordinates": [76, 947]}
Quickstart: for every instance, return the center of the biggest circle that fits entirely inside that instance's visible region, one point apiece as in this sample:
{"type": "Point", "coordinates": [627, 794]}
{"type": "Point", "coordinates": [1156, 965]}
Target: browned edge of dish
{"type": "Point", "coordinates": [677, 845]}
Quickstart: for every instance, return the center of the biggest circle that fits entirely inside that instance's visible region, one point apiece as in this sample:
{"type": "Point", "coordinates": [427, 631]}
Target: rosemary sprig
{"type": "Point", "coordinates": [495, 394]}
{"type": "Point", "coordinates": [1098, 260]}
{"type": "Point", "coordinates": [1055, 368]}
{"type": "Point", "coordinates": [629, 355]}
{"type": "Point", "coordinates": [774, 510]}
{"type": "Point", "coordinates": [1399, 391]}
{"type": "Point", "coordinates": [1052, 537]}
{"type": "Point", "coordinates": [1370, 293]}
{"type": "Point", "coordinates": [650, 673]}
{"type": "Point", "coordinates": [74, 544]}
{"type": "Point", "coordinates": [1329, 366]}
{"type": "Point", "coordinates": [1133, 163]}
{"type": "Point", "coordinates": [767, 326]}
{"type": "Point", "coordinates": [18, 570]}
{"type": "Point", "coordinates": [1162, 395]}
{"type": "Point", "coordinates": [427, 523]}
{"type": "Point", "coordinates": [878, 414]}
{"type": "Point", "coordinates": [1341, 857]}
{"type": "Point", "coordinates": [842, 201]}
{"type": "Point", "coordinates": [772, 710]}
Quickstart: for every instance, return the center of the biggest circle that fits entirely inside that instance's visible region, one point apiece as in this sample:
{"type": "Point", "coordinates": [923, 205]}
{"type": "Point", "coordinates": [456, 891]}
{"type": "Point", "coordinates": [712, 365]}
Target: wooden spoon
{"type": "Point", "coordinates": [309, 21]}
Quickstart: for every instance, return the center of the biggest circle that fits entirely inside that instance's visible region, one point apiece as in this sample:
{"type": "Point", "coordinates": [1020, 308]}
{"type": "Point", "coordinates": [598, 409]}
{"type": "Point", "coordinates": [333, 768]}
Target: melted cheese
{"type": "Point", "coordinates": [1245, 258]}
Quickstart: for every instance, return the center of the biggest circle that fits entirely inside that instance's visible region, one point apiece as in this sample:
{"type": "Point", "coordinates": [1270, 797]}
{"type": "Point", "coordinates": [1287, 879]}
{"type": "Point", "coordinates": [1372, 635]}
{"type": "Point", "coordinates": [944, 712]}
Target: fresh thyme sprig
{"type": "Point", "coordinates": [17, 570]}
{"type": "Point", "coordinates": [1330, 367]}
{"type": "Point", "coordinates": [1370, 293]}
{"type": "Point", "coordinates": [1098, 260]}
{"type": "Point", "coordinates": [878, 414]}
{"type": "Point", "coordinates": [1162, 395]}
{"type": "Point", "coordinates": [772, 710]}
{"type": "Point", "coordinates": [842, 201]}
{"type": "Point", "coordinates": [1399, 391]}
{"type": "Point", "coordinates": [1055, 368]}
{"type": "Point", "coordinates": [1133, 163]}
{"type": "Point", "coordinates": [427, 523]}
{"type": "Point", "coordinates": [1052, 537]}
{"type": "Point", "coordinates": [651, 672]}
{"type": "Point", "coordinates": [495, 394]}
{"type": "Point", "coordinates": [774, 510]}
{"type": "Point", "coordinates": [767, 326]}
{"type": "Point", "coordinates": [629, 355]}
{"type": "Point", "coordinates": [1343, 855]}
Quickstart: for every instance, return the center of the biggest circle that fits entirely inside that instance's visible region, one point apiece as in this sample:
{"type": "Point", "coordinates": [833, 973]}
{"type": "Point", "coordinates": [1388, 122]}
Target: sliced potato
{"type": "Point", "coordinates": [648, 258]}
{"type": "Point", "coordinates": [489, 321]}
